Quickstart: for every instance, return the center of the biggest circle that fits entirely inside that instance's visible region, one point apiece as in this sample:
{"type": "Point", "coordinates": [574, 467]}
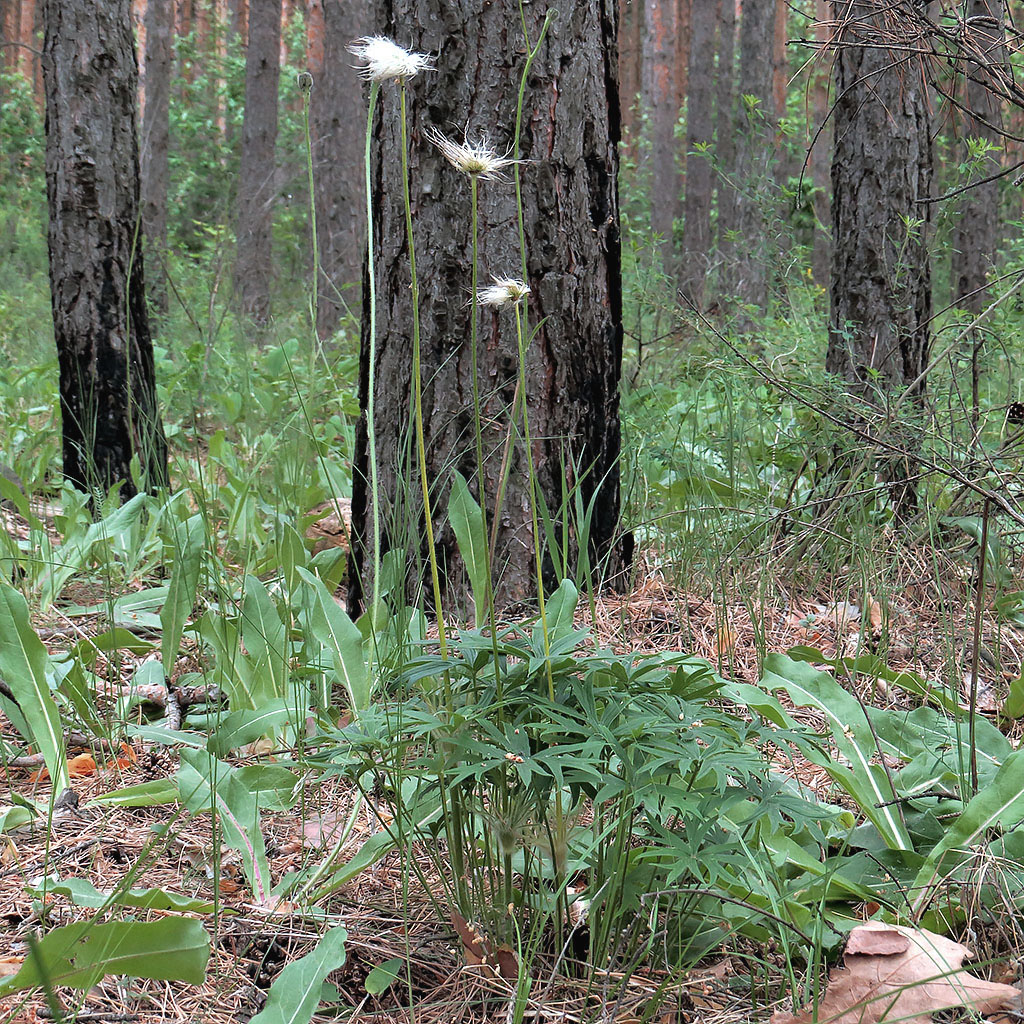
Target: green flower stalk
{"type": "Point", "coordinates": [383, 60]}
{"type": "Point", "coordinates": [417, 385]}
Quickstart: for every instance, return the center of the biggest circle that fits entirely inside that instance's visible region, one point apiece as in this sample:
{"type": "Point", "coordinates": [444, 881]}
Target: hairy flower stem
{"type": "Point", "coordinates": [558, 843]}
{"type": "Point", "coordinates": [532, 477]}
{"type": "Point", "coordinates": [371, 428]}
{"type": "Point", "coordinates": [477, 424]}
{"type": "Point", "coordinates": [417, 383]}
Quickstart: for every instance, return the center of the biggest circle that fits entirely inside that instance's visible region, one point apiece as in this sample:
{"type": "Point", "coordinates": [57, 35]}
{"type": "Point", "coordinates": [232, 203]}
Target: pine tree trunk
{"type": "Point", "coordinates": [976, 230]}
{"type": "Point", "coordinates": [155, 147]}
{"type": "Point", "coordinates": [336, 110]}
{"type": "Point", "coordinates": [659, 72]}
{"type": "Point", "coordinates": [820, 155]}
{"type": "Point", "coordinates": [725, 145]}
{"type": "Point", "coordinates": [699, 133]}
{"type": "Point", "coordinates": [257, 173]}
{"type": "Point", "coordinates": [755, 123]}
{"type": "Point", "coordinates": [107, 389]}
{"type": "Point", "coordinates": [570, 212]}
{"type": "Point", "coordinates": [631, 50]}
{"type": "Point", "coordinates": [881, 169]}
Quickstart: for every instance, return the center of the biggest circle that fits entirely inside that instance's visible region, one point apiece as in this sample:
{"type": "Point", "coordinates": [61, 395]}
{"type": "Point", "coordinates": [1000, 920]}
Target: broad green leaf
{"type": "Point", "coordinates": [144, 794]}
{"type": "Point", "coordinates": [79, 955]}
{"type": "Point", "coordinates": [295, 993]}
{"type": "Point", "coordinates": [1000, 805]}
{"type": "Point", "coordinates": [342, 638]}
{"type": "Point", "coordinates": [383, 976]}
{"type": "Point", "coordinates": [248, 724]}
{"type": "Point", "coordinates": [559, 610]}
{"type": "Point", "coordinates": [273, 785]}
{"type": "Point", "coordinates": [468, 524]}
{"type": "Point", "coordinates": [233, 671]}
{"type": "Point", "coordinates": [207, 784]}
{"type": "Point", "coordinates": [14, 817]}
{"type": "Point", "coordinates": [266, 640]}
{"type": "Point", "coordinates": [1013, 706]}
{"type": "Point", "coordinates": [23, 666]}
{"type": "Point", "coordinates": [867, 783]}
{"type": "Point", "coordinates": [189, 538]}
{"type": "Point", "coordinates": [83, 893]}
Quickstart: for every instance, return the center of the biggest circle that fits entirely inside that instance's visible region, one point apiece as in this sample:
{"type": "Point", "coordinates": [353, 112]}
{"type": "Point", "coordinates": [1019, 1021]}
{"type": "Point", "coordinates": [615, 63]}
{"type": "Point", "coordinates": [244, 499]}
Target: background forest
{"type": "Point", "coordinates": [406, 715]}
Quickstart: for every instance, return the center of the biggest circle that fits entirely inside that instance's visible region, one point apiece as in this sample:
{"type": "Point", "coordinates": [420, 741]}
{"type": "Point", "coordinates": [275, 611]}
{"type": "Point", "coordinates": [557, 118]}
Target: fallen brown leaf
{"type": "Point", "coordinates": [892, 973]}
{"type": "Point", "coordinates": [479, 950]}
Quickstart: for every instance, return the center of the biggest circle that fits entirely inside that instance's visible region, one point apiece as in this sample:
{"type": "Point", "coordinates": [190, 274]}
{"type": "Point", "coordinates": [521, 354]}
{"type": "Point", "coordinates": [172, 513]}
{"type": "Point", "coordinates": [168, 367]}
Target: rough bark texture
{"type": "Point", "coordinates": [569, 175]}
{"type": "Point", "coordinates": [631, 50]}
{"type": "Point", "coordinates": [662, 110]}
{"type": "Point", "coordinates": [108, 397]}
{"type": "Point", "coordinates": [155, 143]}
{"type": "Point", "coordinates": [336, 110]}
{"type": "Point", "coordinates": [747, 274]}
{"type": "Point", "coordinates": [725, 141]}
{"type": "Point", "coordinates": [819, 158]}
{"type": "Point", "coordinates": [881, 168]}
{"type": "Point", "coordinates": [699, 133]}
{"type": "Point", "coordinates": [257, 176]}
{"type": "Point", "coordinates": [976, 231]}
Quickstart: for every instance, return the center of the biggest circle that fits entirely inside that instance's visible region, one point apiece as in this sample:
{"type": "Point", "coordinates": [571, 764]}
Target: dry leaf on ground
{"type": "Point", "coordinates": [894, 973]}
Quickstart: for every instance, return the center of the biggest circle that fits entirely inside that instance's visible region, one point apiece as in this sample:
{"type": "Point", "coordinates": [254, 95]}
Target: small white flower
{"type": "Point", "coordinates": [504, 291]}
{"type": "Point", "coordinates": [476, 159]}
{"type": "Point", "coordinates": [383, 59]}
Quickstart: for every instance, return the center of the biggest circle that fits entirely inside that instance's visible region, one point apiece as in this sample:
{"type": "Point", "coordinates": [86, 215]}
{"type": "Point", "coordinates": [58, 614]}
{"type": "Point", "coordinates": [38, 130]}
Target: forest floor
{"type": "Point", "coordinates": [388, 916]}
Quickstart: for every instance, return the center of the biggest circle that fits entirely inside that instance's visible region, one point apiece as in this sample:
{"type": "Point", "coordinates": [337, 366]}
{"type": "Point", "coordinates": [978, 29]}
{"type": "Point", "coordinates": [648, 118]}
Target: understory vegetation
{"type": "Point", "coordinates": [800, 710]}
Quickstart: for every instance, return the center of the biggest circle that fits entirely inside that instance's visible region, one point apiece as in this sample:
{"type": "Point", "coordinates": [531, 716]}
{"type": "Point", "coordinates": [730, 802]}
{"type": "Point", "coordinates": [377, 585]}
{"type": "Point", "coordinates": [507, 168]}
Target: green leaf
{"type": "Point", "coordinates": [383, 976]}
{"type": "Point", "coordinates": [83, 893]}
{"type": "Point", "coordinates": [144, 794]}
{"type": "Point", "coordinates": [266, 640]}
{"type": "Point", "coordinates": [851, 731]}
{"type": "Point", "coordinates": [249, 724]}
{"type": "Point", "coordinates": [559, 610]}
{"type": "Point", "coordinates": [189, 538]}
{"type": "Point", "coordinates": [207, 784]}
{"type": "Point", "coordinates": [1000, 805]}
{"type": "Point", "coordinates": [14, 817]}
{"type": "Point", "coordinates": [23, 666]}
{"type": "Point", "coordinates": [79, 955]}
{"type": "Point", "coordinates": [342, 637]}
{"type": "Point", "coordinates": [468, 524]}
{"type": "Point", "coordinates": [1013, 706]}
{"type": "Point", "coordinates": [295, 993]}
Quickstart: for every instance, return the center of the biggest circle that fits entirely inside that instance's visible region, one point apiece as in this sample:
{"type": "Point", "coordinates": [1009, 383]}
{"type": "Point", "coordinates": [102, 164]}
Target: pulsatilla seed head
{"type": "Point", "coordinates": [475, 159]}
{"type": "Point", "coordinates": [503, 291]}
{"type": "Point", "coordinates": [383, 59]}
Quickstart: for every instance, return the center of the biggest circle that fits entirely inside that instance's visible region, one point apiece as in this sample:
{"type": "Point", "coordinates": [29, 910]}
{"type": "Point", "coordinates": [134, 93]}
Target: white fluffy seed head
{"type": "Point", "coordinates": [383, 59]}
{"type": "Point", "coordinates": [503, 291]}
{"type": "Point", "coordinates": [475, 159]}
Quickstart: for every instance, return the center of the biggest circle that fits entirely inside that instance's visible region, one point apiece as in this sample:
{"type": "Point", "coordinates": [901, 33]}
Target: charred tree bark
{"type": "Point", "coordinates": [569, 176]}
{"type": "Point", "coordinates": [257, 173]}
{"type": "Point", "coordinates": [881, 170]}
{"type": "Point", "coordinates": [159, 27]}
{"type": "Point", "coordinates": [107, 389]}
{"type": "Point", "coordinates": [699, 136]}
{"type": "Point", "coordinates": [336, 108]}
